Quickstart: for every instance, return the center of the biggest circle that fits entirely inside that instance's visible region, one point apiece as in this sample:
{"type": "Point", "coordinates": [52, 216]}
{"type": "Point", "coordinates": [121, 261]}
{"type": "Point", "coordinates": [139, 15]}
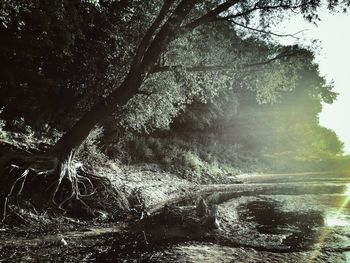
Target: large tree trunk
{"type": "Point", "coordinates": [56, 168]}
{"type": "Point", "coordinates": [59, 161]}
{"type": "Point", "coordinates": [74, 137]}
{"type": "Point", "coordinates": [147, 55]}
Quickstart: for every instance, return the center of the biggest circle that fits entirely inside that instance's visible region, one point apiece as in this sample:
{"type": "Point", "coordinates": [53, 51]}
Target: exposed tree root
{"type": "Point", "coordinates": [59, 181]}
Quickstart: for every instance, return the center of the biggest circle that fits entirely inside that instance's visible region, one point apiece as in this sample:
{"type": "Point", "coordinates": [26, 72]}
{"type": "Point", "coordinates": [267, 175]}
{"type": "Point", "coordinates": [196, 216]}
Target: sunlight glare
{"type": "Point", "coordinates": [347, 192]}
{"type": "Point", "coordinates": [334, 220]}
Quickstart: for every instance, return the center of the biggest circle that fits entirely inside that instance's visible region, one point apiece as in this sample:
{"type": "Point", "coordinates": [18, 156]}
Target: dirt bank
{"type": "Point", "coordinates": [275, 220]}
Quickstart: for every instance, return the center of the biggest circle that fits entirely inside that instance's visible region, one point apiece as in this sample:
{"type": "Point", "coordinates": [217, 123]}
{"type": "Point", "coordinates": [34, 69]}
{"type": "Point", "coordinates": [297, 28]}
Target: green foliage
{"type": "Point", "coordinates": [167, 94]}
{"type": "Point", "coordinates": [90, 152]}
{"type": "Point", "coordinates": [20, 134]}
{"type": "Point", "coordinates": [279, 132]}
{"type": "Point", "coordinates": [192, 161]}
{"type": "Point", "coordinates": [280, 77]}
{"type": "Point", "coordinates": [140, 150]}
{"type": "Point", "coordinates": [2, 125]}
{"type": "Point", "coordinates": [63, 56]}
{"type": "Point", "coordinates": [60, 57]}
{"type": "Point", "coordinates": [245, 127]}
{"type": "Point", "coordinates": [177, 154]}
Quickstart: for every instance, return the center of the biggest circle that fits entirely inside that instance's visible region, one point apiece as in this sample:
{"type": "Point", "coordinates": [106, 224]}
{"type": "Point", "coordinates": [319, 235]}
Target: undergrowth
{"type": "Point", "coordinates": [23, 136]}
{"type": "Point", "coordinates": [29, 178]}
{"type": "Point", "coordinates": [177, 154]}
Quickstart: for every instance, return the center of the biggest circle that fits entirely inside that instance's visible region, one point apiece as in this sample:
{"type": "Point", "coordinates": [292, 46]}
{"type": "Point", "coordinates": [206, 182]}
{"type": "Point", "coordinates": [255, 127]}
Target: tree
{"type": "Point", "coordinates": [287, 127]}
{"type": "Point", "coordinates": [174, 20]}
{"type": "Point", "coordinates": [51, 55]}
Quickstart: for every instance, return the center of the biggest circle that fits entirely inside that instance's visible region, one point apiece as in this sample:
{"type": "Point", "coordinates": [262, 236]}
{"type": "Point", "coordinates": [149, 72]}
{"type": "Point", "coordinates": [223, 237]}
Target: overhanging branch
{"type": "Point", "coordinates": [211, 15]}
{"type": "Point", "coordinates": [215, 68]}
{"type": "Point", "coordinates": [257, 7]}
{"type": "Point", "coordinates": [266, 32]}
{"type": "Point", "coordinates": [164, 34]}
{"type": "Point", "coordinates": [147, 39]}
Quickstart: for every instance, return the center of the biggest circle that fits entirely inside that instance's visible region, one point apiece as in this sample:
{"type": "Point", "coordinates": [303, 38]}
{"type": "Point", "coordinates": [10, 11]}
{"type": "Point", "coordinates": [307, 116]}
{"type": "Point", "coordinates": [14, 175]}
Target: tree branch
{"type": "Point", "coordinates": [265, 62]}
{"type": "Point", "coordinates": [163, 37]}
{"type": "Point", "coordinates": [267, 32]}
{"type": "Point", "coordinates": [214, 68]}
{"type": "Point", "coordinates": [214, 14]}
{"type": "Point", "coordinates": [211, 15]}
{"type": "Point", "coordinates": [257, 7]}
{"type": "Point", "coordinates": [145, 42]}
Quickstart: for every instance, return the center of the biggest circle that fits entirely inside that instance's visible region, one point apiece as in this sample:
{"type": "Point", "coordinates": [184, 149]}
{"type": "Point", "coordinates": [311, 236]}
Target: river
{"type": "Point", "coordinates": [267, 218]}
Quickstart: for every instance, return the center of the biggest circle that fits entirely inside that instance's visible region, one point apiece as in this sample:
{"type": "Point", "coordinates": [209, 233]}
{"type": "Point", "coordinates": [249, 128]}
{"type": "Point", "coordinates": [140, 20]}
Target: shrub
{"type": "Point", "coordinates": [180, 153]}
{"type": "Point", "coordinates": [157, 147]}
{"type": "Point", "coordinates": [213, 168]}
{"type": "Point", "coordinates": [18, 133]}
{"type": "Point", "coordinates": [90, 152]}
{"type": "Point", "coordinates": [192, 161]}
{"type": "Point", "coordinates": [2, 131]}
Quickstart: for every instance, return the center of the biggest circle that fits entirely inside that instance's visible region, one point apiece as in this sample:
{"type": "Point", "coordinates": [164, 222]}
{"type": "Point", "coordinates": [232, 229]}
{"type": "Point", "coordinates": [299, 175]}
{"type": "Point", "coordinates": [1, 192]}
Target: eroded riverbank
{"type": "Point", "coordinates": [274, 219]}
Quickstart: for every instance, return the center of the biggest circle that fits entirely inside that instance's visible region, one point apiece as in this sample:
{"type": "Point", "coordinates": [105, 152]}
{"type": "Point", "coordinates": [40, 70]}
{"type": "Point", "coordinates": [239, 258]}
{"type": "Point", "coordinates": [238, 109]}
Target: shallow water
{"type": "Point", "coordinates": [284, 218]}
{"type": "Point", "coordinates": [308, 217]}
{"type": "Point", "coordinates": [269, 218]}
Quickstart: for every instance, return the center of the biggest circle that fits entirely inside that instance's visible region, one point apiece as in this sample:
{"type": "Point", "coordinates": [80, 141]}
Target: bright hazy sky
{"type": "Point", "coordinates": [333, 58]}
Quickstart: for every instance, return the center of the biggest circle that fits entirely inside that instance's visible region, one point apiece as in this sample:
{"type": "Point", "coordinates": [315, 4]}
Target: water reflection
{"type": "Point", "coordinates": [337, 223]}
{"type": "Point", "coordinates": [337, 220]}
{"type": "Point", "coordinates": [279, 219]}
{"type": "Point", "coordinates": [301, 229]}
{"type": "Point", "coordinates": [347, 191]}
{"type": "Point", "coordinates": [340, 218]}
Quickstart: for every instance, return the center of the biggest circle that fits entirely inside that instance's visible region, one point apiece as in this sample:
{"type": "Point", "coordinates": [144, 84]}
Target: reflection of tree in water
{"type": "Point", "coordinates": [301, 228]}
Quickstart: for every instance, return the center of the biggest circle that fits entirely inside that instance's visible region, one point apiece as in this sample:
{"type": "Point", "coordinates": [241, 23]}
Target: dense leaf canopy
{"type": "Point", "coordinates": [59, 58]}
